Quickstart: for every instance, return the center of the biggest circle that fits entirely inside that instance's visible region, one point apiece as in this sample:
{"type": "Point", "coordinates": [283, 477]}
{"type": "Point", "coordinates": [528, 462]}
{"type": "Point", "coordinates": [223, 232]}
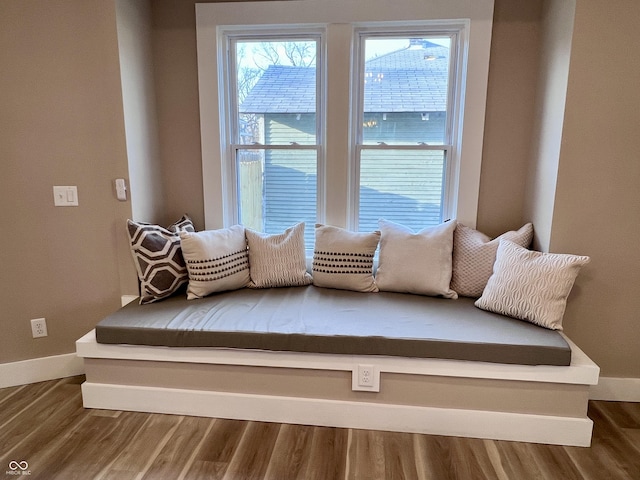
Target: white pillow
{"type": "Point", "coordinates": [416, 262]}
{"type": "Point", "coordinates": [474, 254]}
{"type": "Point", "coordinates": [277, 260]}
{"type": "Point", "coordinates": [531, 286]}
{"type": "Point", "coordinates": [217, 260]}
{"type": "Point", "coordinates": [344, 259]}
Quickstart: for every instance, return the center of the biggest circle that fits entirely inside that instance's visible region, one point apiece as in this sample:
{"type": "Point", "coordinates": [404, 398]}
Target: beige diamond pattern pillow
{"type": "Point", "coordinates": [474, 254]}
{"type": "Point", "coordinates": [277, 260]}
{"type": "Point", "coordinates": [531, 286]}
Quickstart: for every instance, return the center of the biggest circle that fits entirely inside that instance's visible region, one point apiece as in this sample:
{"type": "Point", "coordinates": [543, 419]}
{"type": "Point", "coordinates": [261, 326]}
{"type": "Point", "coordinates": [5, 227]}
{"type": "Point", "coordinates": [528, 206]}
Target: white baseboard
{"type": "Point", "coordinates": [616, 389]}
{"type": "Point", "coordinates": [40, 369]}
{"type": "Point", "coordinates": [343, 414]}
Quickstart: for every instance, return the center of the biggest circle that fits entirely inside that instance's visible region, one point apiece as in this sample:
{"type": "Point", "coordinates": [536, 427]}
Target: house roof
{"type": "Point", "coordinates": [413, 79]}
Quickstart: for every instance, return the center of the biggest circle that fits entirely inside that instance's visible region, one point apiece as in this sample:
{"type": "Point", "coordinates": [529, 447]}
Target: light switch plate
{"type": "Point", "coordinates": [65, 196]}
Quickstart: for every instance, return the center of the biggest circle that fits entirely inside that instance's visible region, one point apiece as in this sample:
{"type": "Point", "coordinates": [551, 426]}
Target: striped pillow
{"type": "Point", "coordinates": [277, 260]}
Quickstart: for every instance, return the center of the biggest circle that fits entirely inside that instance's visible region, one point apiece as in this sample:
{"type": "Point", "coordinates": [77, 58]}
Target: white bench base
{"type": "Point", "coordinates": [539, 404]}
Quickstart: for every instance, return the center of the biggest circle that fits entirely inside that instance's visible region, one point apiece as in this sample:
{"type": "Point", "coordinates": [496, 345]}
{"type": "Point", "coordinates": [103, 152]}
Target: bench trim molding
{"type": "Point", "coordinates": [582, 370]}
{"type": "Point", "coordinates": [342, 414]}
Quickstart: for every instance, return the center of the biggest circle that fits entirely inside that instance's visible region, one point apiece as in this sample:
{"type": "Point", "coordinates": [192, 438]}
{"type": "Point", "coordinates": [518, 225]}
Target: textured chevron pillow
{"type": "Point", "coordinates": [158, 258]}
{"type": "Point", "coordinates": [344, 259]}
{"type": "Point", "coordinates": [531, 286]}
{"type": "Point", "coordinates": [277, 260]}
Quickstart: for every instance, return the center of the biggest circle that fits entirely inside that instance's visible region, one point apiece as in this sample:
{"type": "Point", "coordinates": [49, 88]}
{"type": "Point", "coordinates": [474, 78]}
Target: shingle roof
{"type": "Point", "coordinates": [413, 79]}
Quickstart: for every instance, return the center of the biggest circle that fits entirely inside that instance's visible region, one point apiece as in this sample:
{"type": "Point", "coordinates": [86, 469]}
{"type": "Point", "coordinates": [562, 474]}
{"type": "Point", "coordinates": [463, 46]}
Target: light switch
{"type": "Point", "coordinates": [65, 196]}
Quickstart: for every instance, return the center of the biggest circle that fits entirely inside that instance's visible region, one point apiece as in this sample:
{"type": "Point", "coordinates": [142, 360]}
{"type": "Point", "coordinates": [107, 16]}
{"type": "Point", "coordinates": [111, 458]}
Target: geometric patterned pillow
{"type": "Point", "coordinates": [531, 286]}
{"type": "Point", "coordinates": [158, 258]}
{"type": "Point", "coordinates": [474, 254]}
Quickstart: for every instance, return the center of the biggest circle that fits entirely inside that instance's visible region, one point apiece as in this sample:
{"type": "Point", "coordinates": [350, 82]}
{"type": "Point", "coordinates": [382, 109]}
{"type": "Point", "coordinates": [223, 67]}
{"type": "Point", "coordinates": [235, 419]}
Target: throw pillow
{"type": "Point", "coordinates": [474, 254]}
{"type": "Point", "coordinates": [277, 260]}
{"type": "Point", "coordinates": [158, 258]}
{"type": "Point", "coordinates": [416, 262]}
{"type": "Point", "coordinates": [344, 259]}
{"type": "Point", "coordinates": [531, 286]}
{"type": "Point", "coordinates": [217, 260]}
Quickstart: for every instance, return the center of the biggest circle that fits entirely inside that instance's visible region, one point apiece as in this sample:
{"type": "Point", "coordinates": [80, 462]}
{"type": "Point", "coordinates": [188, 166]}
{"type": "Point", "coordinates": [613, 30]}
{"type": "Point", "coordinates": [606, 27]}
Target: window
{"type": "Point", "coordinates": [275, 133]}
{"type": "Point", "coordinates": [405, 126]}
{"type": "Point", "coordinates": [323, 118]}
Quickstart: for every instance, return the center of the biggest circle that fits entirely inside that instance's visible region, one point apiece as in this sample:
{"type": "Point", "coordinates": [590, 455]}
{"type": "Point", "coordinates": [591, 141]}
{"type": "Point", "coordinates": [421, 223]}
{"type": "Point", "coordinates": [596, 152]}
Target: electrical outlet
{"type": "Point", "coordinates": [365, 375]}
{"type": "Point", "coordinates": [365, 378]}
{"type": "Point", "coordinates": [39, 327]}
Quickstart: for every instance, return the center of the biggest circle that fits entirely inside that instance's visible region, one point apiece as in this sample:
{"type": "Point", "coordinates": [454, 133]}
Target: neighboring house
{"type": "Point", "coordinates": [404, 102]}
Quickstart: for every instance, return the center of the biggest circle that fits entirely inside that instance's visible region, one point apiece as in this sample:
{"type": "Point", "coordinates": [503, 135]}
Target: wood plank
{"type": "Point", "coordinates": [366, 455]}
{"type": "Point", "coordinates": [518, 462]}
{"type": "Point", "coordinates": [433, 454]}
{"type": "Point", "coordinates": [291, 449]}
{"type": "Point", "coordinates": [472, 453]}
{"type": "Point", "coordinates": [252, 456]}
{"type": "Point", "coordinates": [399, 459]}
{"type": "Point", "coordinates": [173, 457]}
{"type": "Point", "coordinates": [327, 458]}
{"type": "Point", "coordinates": [217, 450]}
{"type": "Point", "coordinates": [28, 395]}
{"type": "Point", "coordinates": [88, 445]}
{"type": "Point", "coordinates": [46, 425]}
{"type": "Point", "coordinates": [40, 417]}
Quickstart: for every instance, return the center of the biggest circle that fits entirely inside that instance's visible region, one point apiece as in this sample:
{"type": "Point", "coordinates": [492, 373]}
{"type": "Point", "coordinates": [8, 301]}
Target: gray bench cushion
{"type": "Point", "coordinates": [311, 319]}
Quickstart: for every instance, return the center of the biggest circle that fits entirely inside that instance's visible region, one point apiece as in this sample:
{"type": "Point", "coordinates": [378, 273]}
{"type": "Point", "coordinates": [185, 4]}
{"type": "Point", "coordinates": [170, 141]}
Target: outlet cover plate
{"type": "Point", "coordinates": [39, 328]}
{"type": "Point", "coordinates": [372, 374]}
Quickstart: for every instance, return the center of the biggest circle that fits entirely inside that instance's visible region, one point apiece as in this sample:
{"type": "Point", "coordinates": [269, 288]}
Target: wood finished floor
{"type": "Point", "coordinates": [45, 425]}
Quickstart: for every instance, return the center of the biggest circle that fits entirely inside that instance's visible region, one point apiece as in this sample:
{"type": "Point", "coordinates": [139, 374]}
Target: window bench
{"type": "Point", "coordinates": [299, 355]}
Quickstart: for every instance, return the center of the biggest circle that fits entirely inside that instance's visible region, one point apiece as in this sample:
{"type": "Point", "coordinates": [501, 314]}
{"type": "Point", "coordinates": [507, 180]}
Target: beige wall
{"type": "Point", "coordinates": [597, 205]}
{"type": "Point", "coordinates": [513, 73]}
{"type": "Point", "coordinates": [174, 36]}
{"type": "Point", "coordinates": [61, 123]}
{"type": "Point", "coordinates": [546, 135]}
{"type": "Point", "coordinates": [139, 104]}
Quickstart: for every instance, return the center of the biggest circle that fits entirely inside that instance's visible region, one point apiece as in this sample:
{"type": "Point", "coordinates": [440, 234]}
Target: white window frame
{"type": "Point", "coordinates": [229, 36]}
{"type": "Point", "coordinates": [339, 18]}
{"type": "Point", "coordinates": [456, 31]}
